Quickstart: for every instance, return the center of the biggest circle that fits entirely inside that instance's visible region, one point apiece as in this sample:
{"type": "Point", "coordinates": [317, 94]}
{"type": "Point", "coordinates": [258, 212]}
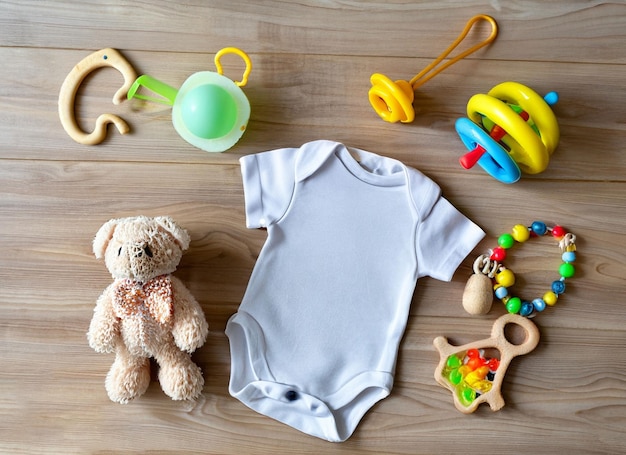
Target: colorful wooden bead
{"type": "Point", "coordinates": [514, 305]}
{"type": "Point", "coordinates": [568, 256]}
{"type": "Point", "coordinates": [520, 233]}
{"type": "Point", "coordinates": [539, 227]}
{"type": "Point", "coordinates": [558, 287]}
{"type": "Point", "coordinates": [498, 254]}
{"type": "Point", "coordinates": [505, 278]}
{"type": "Point", "coordinates": [550, 298]}
{"type": "Point", "coordinates": [501, 292]}
{"type": "Point", "coordinates": [539, 305]}
{"type": "Point", "coordinates": [506, 241]}
{"type": "Point", "coordinates": [558, 232]}
{"type": "Point", "coordinates": [567, 270]}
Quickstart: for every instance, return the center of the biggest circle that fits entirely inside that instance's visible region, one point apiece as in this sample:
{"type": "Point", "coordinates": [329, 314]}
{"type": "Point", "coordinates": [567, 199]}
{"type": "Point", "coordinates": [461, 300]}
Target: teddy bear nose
{"type": "Point", "coordinates": [141, 250]}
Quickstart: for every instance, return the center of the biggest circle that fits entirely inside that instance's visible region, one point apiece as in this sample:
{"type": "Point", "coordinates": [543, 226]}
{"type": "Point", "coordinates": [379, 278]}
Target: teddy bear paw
{"type": "Point", "coordinates": [123, 382]}
{"type": "Point", "coordinates": [181, 382]}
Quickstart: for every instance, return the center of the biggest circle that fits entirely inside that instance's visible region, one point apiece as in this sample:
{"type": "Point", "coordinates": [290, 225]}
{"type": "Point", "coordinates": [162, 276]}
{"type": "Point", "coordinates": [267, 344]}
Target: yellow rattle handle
{"type": "Point", "coordinates": [240, 53]}
{"type": "Point", "coordinates": [67, 95]}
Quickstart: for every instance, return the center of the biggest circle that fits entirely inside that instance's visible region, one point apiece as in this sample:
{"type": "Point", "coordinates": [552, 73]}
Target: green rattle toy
{"type": "Point", "coordinates": [209, 111]}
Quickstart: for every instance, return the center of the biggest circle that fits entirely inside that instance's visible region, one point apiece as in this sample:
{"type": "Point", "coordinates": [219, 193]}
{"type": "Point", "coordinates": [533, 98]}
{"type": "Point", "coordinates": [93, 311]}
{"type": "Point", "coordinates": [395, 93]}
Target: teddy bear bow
{"type": "Point", "coordinates": [154, 297]}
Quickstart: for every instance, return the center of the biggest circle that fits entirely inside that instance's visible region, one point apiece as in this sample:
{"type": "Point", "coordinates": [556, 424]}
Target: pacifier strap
{"type": "Point", "coordinates": [423, 75]}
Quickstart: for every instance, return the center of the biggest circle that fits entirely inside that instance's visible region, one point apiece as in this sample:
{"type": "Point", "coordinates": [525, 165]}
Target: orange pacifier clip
{"type": "Point", "coordinates": [393, 101]}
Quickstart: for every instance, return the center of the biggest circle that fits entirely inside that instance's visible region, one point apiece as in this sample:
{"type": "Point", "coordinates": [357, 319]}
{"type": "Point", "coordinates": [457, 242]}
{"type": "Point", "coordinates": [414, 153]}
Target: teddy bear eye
{"type": "Point", "coordinates": [119, 252]}
{"type": "Point", "coordinates": [148, 251]}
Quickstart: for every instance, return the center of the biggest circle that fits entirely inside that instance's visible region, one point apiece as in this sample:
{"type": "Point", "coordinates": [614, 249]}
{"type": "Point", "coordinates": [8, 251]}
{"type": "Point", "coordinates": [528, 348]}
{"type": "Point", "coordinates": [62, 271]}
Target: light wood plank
{"type": "Point", "coordinates": [549, 32]}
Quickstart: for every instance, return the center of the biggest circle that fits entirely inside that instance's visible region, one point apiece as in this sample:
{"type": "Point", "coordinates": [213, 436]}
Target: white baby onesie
{"type": "Point", "coordinates": [315, 340]}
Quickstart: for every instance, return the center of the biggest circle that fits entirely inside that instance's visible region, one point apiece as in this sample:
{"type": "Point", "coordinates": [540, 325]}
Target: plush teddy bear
{"type": "Point", "coordinates": [146, 312]}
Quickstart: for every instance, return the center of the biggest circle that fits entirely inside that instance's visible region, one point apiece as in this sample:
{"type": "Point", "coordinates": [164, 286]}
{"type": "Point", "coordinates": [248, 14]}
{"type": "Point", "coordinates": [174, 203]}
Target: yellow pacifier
{"type": "Point", "coordinates": [209, 111]}
{"type": "Point", "coordinates": [393, 101]}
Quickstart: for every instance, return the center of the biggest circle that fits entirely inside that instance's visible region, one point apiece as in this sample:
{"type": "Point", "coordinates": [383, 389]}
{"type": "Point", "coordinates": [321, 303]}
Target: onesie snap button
{"type": "Point", "coordinates": [291, 395]}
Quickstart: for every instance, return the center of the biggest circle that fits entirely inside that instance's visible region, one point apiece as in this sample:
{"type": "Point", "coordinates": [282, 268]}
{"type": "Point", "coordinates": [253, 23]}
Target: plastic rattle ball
{"type": "Point", "coordinates": [509, 130]}
{"type": "Point", "coordinates": [455, 377]}
{"type": "Point", "coordinates": [454, 361]}
{"type": "Point", "coordinates": [208, 111]}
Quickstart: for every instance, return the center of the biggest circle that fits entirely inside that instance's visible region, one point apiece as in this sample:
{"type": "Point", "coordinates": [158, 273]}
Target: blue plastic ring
{"type": "Point", "coordinates": [496, 161]}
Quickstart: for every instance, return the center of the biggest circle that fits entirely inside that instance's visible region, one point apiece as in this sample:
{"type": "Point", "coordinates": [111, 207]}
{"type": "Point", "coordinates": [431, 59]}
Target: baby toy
{"type": "Point", "coordinates": [209, 110]}
{"type": "Point", "coordinates": [393, 101]}
{"type": "Point", "coordinates": [464, 370]}
{"type": "Point", "coordinates": [491, 274]}
{"type": "Point", "coordinates": [67, 95]}
{"type": "Point", "coordinates": [146, 312]}
{"type": "Point", "coordinates": [510, 129]}
{"type": "Point", "coordinates": [470, 376]}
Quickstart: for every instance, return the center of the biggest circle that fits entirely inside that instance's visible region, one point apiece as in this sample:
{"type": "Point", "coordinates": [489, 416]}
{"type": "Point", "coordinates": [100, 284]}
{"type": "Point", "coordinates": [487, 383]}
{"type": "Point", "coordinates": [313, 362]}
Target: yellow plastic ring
{"type": "Point", "coordinates": [392, 101]}
{"type": "Point", "coordinates": [240, 53]}
{"type": "Point", "coordinates": [540, 112]}
{"type": "Point", "coordinates": [527, 149]}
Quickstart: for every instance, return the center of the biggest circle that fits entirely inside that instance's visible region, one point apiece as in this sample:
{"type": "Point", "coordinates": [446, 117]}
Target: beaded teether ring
{"type": "Point", "coordinates": [491, 266]}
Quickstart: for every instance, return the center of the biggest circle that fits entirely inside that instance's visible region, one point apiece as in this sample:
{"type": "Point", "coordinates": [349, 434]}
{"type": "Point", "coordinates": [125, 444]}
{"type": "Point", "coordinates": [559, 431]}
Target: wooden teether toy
{"type": "Point", "coordinates": [67, 95]}
{"type": "Point", "coordinates": [470, 376]}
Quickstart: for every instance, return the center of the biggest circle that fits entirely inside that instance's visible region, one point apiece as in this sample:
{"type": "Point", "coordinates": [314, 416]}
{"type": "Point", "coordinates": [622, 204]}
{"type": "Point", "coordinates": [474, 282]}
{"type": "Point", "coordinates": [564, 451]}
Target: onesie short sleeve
{"type": "Point", "coordinates": [444, 236]}
{"type": "Point", "coordinates": [268, 181]}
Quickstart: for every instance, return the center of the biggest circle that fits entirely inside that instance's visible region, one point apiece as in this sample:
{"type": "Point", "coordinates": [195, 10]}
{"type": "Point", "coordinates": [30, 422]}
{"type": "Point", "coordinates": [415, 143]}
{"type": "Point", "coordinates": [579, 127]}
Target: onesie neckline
{"type": "Point", "coordinates": [371, 168]}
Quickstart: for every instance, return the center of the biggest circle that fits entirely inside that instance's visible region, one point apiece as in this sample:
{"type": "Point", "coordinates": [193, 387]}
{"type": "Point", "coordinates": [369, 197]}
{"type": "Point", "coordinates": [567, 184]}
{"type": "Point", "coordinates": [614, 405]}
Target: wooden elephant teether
{"type": "Point", "coordinates": [67, 95]}
{"type": "Point", "coordinates": [470, 376]}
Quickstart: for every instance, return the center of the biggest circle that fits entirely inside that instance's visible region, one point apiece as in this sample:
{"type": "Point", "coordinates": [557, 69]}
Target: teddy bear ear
{"type": "Point", "coordinates": [103, 237]}
{"type": "Point", "coordinates": [180, 235]}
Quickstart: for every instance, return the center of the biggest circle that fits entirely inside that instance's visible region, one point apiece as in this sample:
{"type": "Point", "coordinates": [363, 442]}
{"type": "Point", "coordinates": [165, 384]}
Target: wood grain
{"type": "Point", "coordinates": [312, 61]}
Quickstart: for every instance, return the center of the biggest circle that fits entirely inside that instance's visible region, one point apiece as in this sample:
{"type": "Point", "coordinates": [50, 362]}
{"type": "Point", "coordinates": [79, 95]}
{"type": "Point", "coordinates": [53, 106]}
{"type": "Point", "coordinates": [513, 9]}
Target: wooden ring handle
{"type": "Point", "coordinates": [67, 95]}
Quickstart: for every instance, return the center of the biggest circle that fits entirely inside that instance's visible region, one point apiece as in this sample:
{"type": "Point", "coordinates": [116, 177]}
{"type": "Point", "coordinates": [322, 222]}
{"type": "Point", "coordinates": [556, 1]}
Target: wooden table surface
{"type": "Point", "coordinates": [312, 63]}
